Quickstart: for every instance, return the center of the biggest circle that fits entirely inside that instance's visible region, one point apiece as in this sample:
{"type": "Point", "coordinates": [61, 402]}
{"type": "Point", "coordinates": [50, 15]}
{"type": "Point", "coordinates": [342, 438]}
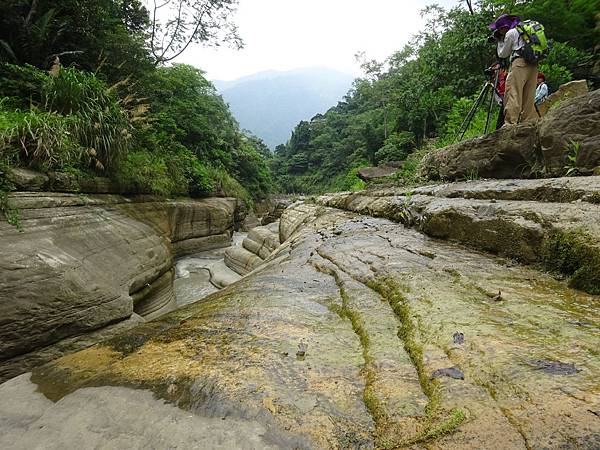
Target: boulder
{"type": "Point", "coordinates": [261, 241]}
{"type": "Point", "coordinates": [565, 91]}
{"type": "Point", "coordinates": [250, 222]}
{"type": "Point", "coordinates": [28, 180]}
{"type": "Point", "coordinates": [241, 260]}
{"type": "Point", "coordinates": [525, 150]}
{"type": "Point", "coordinates": [508, 152]}
{"type": "Point", "coordinates": [572, 129]}
{"type": "Point", "coordinates": [276, 209]}
{"type": "Point", "coordinates": [375, 173]}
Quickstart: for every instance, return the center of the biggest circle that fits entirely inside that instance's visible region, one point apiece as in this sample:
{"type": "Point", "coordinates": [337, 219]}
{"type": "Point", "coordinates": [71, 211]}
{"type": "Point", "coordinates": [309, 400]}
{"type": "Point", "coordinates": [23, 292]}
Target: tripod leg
{"type": "Point", "coordinates": [490, 107]}
{"type": "Point", "coordinates": [489, 112]}
{"type": "Point", "coordinates": [465, 125]}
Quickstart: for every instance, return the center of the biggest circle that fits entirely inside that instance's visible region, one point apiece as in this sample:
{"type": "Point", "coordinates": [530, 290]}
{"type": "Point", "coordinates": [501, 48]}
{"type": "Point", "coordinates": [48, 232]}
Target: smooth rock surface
{"type": "Point", "coordinates": [84, 262]}
{"type": "Point", "coordinates": [502, 218]}
{"type": "Point", "coordinates": [374, 173]}
{"type": "Point", "coordinates": [374, 306]}
{"type": "Point", "coordinates": [116, 418]}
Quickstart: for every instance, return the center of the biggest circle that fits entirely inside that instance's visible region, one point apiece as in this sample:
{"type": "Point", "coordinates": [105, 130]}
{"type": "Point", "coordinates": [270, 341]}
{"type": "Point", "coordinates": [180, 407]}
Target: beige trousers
{"type": "Point", "coordinates": [519, 98]}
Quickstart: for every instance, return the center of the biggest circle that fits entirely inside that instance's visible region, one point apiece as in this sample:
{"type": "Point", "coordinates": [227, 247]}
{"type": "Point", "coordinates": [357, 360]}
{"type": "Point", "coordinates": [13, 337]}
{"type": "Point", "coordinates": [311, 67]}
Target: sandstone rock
{"type": "Point", "coordinates": [261, 241]}
{"type": "Point", "coordinates": [505, 153]}
{"type": "Point", "coordinates": [345, 285]}
{"type": "Point", "coordinates": [222, 276]}
{"type": "Point", "coordinates": [572, 129]}
{"type": "Point", "coordinates": [565, 92]}
{"type": "Point", "coordinates": [250, 222]}
{"type": "Point", "coordinates": [28, 180]}
{"type": "Point", "coordinates": [241, 260]}
{"type": "Point", "coordinates": [374, 173]}
{"type": "Point", "coordinates": [109, 417]}
{"type": "Point", "coordinates": [19, 364]}
{"type": "Point", "coordinates": [84, 262]}
{"type": "Point", "coordinates": [274, 213]}
{"type": "Point", "coordinates": [531, 232]}
{"type": "Point", "coordinates": [71, 270]}
{"type": "Point", "coordinates": [525, 150]}
{"type": "Point", "coordinates": [557, 190]}
{"type": "Point", "coordinates": [191, 225]}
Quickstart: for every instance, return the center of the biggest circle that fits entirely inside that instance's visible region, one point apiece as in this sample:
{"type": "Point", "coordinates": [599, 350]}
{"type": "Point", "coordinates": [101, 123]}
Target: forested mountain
{"type": "Point", "coordinates": [417, 98]}
{"type": "Point", "coordinates": [86, 88]}
{"type": "Point", "coordinates": [270, 103]}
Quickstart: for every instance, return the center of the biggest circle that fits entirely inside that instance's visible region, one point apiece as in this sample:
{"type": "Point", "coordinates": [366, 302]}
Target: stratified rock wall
{"type": "Point", "coordinates": [83, 262]}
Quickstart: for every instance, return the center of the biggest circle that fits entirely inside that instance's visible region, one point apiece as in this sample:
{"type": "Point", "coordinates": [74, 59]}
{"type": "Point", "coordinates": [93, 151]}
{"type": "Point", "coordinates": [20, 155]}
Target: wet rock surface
{"type": "Point", "coordinates": [376, 306]}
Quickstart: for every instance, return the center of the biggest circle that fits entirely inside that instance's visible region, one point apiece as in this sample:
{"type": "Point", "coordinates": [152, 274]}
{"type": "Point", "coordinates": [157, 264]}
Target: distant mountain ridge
{"type": "Point", "coordinates": [271, 103]}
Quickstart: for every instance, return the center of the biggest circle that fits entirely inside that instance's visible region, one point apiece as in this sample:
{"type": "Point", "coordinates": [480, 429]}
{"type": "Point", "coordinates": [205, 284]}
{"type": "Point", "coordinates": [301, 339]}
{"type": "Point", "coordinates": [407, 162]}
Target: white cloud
{"type": "Point", "coordinates": [288, 34]}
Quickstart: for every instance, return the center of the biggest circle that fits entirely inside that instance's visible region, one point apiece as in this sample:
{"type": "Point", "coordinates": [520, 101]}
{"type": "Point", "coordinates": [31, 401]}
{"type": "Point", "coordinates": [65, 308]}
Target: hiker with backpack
{"type": "Point", "coordinates": [521, 43]}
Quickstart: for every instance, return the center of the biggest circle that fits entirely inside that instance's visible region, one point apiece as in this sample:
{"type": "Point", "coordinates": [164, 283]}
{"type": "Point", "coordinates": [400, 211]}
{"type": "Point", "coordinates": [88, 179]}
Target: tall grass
{"type": "Point", "coordinates": [102, 124]}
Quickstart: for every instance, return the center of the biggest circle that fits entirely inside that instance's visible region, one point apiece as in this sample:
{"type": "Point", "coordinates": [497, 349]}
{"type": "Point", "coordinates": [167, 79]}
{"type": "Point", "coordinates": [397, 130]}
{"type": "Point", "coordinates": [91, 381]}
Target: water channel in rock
{"type": "Point", "coordinates": [201, 274]}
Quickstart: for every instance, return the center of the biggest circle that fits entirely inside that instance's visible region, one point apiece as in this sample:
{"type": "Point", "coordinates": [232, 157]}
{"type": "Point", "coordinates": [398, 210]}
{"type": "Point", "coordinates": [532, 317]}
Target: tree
{"type": "Point", "coordinates": [175, 24]}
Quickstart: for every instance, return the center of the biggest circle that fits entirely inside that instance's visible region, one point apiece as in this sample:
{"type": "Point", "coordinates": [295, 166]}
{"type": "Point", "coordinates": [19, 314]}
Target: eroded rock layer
{"type": "Point", "coordinates": [84, 262]}
{"type": "Point", "coordinates": [553, 222]}
{"type": "Point", "coordinates": [355, 333]}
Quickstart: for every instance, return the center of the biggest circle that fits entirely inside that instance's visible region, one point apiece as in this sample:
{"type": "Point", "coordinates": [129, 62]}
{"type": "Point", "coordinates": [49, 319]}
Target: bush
{"type": "Point", "coordinates": [102, 124]}
{"type": "Point", "coordinates": [396, 147]}
{"type": "Point", "coordinates": [142, 171]}
{"type": "Point", "coordinates": [228, 186]}
{"type": "Point", "coordinates": [21, 84]}
{"type": "Point", "coordinates": [44, 140]}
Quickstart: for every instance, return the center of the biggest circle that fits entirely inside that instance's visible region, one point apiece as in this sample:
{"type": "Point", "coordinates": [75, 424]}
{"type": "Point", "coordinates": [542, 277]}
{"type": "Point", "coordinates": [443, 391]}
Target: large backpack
{"type": "Point", "coordinates": [536, 44]}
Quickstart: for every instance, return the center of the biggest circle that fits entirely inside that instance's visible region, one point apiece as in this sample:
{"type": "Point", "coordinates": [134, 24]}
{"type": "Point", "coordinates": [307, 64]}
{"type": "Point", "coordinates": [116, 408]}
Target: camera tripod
{"type": "Point", "coordinates": [488, 87]}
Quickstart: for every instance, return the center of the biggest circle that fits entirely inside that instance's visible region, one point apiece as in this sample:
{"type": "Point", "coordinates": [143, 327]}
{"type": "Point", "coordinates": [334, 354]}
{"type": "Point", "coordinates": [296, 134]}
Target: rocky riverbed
{"type": "Point", "coordinates": [358, 332]}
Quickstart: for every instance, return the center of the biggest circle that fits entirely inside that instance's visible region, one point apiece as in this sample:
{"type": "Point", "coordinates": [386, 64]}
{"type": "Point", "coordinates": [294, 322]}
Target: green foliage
{"type": "Point", "coordinates": [395, 148]}
{"type": "Point", "coordinates": [555, 75]}
{"type": "Point", "coordinates": [572, 154]}
{"type": "Point", "coordinates": [145, 171]}
{"type": "Point", "coordinates": [65, 117]}
{"type": "Point", "coordinates": [43, 140]}
{"type": "Point", "coordinates": [102, 124]}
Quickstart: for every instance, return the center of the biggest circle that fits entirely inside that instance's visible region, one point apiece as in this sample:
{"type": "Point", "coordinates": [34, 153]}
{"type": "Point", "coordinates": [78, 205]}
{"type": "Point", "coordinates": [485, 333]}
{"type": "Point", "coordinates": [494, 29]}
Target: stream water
{"type": "Point", "coordinates": [193, 272]}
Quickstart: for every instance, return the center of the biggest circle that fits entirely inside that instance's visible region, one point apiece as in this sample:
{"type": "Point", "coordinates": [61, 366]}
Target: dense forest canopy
{"type": "Point", "coordinates": [418, 97]}
{"type": "Point", "coordinates": [84, 89]}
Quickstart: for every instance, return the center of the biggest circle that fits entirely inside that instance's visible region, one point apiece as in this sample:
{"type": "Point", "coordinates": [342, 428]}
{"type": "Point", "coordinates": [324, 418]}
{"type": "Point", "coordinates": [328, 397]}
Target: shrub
{"type": "Point", "coordinates": [396, 147]}
{"type": "Point", "coordinates": [142, 171]}
{"type": "Point", "coordinates": [43, 139]}
{"type": "Point", "coordinates": [21, 84]}
{"type": "Point", "coordinates": [102, 124]}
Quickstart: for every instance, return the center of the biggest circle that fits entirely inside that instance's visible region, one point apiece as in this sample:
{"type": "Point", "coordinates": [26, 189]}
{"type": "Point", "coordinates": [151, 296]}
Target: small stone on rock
{"type": "Point", "coordinates": [451, 372]}
{"type": "Point", "coordinates": [458, 337]}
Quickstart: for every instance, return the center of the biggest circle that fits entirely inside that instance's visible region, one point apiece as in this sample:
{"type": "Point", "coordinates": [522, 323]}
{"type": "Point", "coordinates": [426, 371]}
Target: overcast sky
{"type": "Point", "coordinates": [289, 34]}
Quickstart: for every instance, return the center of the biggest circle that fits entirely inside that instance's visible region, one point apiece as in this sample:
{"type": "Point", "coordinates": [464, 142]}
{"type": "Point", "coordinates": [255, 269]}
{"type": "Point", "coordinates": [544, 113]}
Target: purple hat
{"type": "Point", "coordinates": [505, 21]}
